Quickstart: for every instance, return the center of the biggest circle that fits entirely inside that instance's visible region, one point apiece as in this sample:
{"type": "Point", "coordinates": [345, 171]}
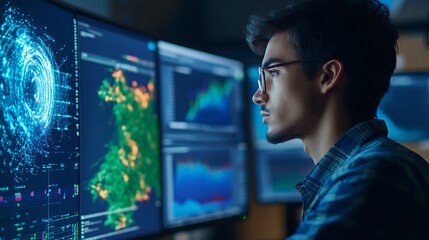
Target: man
{"type": "Point", "coordinates": [326, 65]}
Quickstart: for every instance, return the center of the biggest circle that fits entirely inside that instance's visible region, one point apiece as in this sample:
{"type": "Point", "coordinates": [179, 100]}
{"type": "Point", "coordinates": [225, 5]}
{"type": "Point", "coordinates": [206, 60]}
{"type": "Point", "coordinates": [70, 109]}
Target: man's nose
{"type": "Point", "coordinates": [260, 98]}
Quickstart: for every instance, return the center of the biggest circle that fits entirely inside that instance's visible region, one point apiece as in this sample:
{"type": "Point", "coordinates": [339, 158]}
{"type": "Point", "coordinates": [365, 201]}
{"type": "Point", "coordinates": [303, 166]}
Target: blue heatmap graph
{"type": "Point", "coordinates": [203, 98]}
{"type": "Point", "coordinates": [33, 91]}
{"type": "Point", "coordinates": [202, 184]}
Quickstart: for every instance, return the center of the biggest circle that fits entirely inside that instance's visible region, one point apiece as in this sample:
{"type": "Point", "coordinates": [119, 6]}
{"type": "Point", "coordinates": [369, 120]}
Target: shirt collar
{"type": "Point", "coordinates": [342, 150]}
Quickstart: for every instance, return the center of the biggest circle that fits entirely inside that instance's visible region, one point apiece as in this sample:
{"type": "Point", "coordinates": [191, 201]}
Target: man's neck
{"type": "Point", "coordinates": [327, 132]}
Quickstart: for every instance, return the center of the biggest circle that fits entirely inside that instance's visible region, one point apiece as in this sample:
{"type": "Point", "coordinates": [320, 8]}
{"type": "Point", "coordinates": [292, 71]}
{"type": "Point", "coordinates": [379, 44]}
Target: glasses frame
{"type": "Point", "coordinates": [262, 83]}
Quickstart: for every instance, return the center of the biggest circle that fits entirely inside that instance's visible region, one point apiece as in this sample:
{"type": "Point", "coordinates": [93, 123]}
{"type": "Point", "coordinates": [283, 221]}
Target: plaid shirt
{"type": "Point", "coordinates": [366, 187]}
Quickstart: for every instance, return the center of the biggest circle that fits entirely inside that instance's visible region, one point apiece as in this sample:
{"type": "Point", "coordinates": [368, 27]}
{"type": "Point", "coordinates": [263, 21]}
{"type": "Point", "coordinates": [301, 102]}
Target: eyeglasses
{"type": "Point", "coordinates": [262, 83]}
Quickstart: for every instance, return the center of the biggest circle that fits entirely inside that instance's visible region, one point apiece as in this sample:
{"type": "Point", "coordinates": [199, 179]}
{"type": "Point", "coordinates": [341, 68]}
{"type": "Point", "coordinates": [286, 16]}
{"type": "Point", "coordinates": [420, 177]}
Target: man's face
{"type": "Point", "coordinates": [289, 105]}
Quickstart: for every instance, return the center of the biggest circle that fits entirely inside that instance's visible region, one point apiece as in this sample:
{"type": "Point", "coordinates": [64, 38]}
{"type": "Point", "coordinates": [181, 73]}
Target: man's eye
{"type": "Point", "coordinates": [273, 72]}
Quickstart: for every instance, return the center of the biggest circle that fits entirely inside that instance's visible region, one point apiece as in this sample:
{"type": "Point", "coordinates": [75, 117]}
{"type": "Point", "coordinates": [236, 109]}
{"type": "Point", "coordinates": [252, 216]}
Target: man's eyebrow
{"type": "Point", "coordinates": [270, 61]}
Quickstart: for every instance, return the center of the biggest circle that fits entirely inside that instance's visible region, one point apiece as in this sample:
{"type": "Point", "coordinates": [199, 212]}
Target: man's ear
{"type": "Point", "coordinates": [332, 76]}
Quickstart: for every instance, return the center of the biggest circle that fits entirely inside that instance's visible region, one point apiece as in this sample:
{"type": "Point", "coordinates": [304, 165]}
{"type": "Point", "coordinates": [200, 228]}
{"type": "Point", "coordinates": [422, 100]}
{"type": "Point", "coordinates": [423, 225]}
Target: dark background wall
{"type": "Point", "coordinates": [218, 26]}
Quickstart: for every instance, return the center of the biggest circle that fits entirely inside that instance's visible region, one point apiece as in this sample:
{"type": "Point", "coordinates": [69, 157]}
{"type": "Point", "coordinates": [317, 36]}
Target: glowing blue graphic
{"type": "Point", "coordinates": [32, 90]}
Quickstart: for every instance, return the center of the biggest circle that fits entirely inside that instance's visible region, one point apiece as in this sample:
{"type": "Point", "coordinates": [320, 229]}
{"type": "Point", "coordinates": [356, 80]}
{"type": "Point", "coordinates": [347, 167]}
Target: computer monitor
{"type": "Point", "coordinates": [204, 150]}
{"type": "Point", "coordinates": [39, 131]}
{"type": "Point", "coordinates": [405, 108]}
{"type": "Point", "coordinates": [278, 167]}
{"type": "Point", "coordinates": [120, 188]}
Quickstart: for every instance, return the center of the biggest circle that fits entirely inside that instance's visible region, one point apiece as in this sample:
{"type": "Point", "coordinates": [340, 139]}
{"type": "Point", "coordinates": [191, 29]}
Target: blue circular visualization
{"type": "Point", "coordinates": [30, 80]}
{"type": "Point", "coordinates": [28, 90]}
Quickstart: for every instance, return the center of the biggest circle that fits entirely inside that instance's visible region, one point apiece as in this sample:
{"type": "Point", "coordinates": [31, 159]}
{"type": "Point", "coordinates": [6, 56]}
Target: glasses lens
{"type": "Point", "coordinates": [261, 80]}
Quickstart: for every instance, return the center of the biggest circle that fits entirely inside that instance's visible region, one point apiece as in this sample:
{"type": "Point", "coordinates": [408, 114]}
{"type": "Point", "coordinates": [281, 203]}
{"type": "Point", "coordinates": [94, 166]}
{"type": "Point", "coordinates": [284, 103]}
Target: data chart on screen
{"type": "Point", "coordinates": [119, 177]}
{"type": "Point", "coordinates": [204, 139]}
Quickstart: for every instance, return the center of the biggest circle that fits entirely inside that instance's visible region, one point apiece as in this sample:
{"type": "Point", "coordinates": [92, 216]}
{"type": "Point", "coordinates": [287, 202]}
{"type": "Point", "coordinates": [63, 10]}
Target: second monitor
{"type": "Point", "coordinates": [120, 195]}
{"type": "Point", "coordinates": [203, 136]}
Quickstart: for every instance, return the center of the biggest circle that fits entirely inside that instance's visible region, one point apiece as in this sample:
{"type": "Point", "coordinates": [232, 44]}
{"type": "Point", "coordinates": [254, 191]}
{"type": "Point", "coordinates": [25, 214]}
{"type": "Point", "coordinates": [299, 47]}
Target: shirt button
{"type": "Point", "coordinates": [301, 187]}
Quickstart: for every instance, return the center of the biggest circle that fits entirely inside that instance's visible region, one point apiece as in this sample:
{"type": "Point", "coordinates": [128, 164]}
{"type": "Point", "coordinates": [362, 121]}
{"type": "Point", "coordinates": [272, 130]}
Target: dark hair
{"type": "Point", "coordinates": [358, 33]}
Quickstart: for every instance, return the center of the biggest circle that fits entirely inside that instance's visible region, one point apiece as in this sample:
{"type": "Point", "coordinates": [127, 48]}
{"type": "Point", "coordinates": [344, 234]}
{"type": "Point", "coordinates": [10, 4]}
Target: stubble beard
{"type": "Point", "coordinates": [279, 136]}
